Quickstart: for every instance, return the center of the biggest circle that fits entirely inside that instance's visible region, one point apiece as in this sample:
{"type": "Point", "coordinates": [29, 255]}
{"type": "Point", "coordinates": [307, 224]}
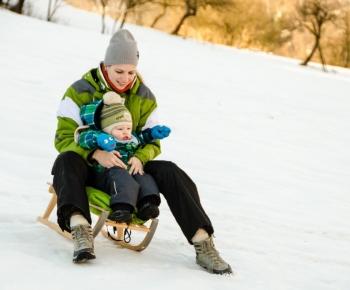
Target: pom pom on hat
{"type": "Point", "coordinates": [113, 113]}
{"type": "Point", "coordinates": [111, 98]}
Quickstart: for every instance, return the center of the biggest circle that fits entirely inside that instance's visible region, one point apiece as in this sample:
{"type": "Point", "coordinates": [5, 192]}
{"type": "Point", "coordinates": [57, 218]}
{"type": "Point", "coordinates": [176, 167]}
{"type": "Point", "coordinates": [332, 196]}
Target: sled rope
{"type": "Point", "coordinates": [126, 238]}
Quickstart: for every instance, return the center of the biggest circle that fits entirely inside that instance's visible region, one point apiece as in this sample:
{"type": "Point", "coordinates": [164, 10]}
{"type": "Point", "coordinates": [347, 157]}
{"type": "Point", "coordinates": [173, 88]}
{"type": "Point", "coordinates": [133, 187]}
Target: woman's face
{"type": "Point", "coordinates": [121, 74]}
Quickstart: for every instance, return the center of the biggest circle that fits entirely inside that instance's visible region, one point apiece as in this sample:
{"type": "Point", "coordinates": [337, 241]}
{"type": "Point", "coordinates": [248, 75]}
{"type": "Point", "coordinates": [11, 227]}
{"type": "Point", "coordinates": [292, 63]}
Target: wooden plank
{"type": "Point", "coordinates": [139, 247]}
{"type": "Point", "coordinates": [54, 226]}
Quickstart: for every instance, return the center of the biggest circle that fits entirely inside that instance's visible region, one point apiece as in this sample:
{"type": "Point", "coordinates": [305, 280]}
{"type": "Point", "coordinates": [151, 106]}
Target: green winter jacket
{"type": "Point", "coordinates": [91, 87]}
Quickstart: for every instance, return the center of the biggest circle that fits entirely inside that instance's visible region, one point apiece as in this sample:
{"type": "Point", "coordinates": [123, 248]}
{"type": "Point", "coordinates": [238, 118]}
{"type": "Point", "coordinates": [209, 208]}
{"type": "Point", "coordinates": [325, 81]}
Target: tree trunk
{"type": "Point", "coordinates": [322, 57]}
{"type": "Point", "coordinates": [103, 23]}
{"type": "Point", "coordinates": [177, 28]}
{"type": "Point", "coordinates": [18, 7]}
{"type": "Point", "coordinates": [48, 18]}
{"type": "Point", "coordinates": [157, 18]}
{"type": "Point", "coordinates": [117, 17]}
{"type": "Point", "coordinates": [305, 62]}
{"type": "Point", "coordinates": [347, 53]}
{"type": "Point", "coordinates": [123, 20]}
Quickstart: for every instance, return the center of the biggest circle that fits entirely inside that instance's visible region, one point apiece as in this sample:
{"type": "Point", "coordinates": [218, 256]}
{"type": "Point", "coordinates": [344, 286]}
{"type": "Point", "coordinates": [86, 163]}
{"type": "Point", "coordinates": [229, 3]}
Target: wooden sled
{"type": "Point", "coordinates": [103, 224]}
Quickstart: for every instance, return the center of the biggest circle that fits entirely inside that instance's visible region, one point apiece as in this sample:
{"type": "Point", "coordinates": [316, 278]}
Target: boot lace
{"type": "Point", "coordinates": [207, 248]}
{"type": "Point", "coordinates": [82, 235]}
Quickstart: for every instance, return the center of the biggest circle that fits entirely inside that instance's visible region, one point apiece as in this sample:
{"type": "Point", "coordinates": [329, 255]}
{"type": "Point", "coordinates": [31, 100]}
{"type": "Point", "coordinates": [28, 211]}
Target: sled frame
{"type": "Point", "coordinates": [102, 225]}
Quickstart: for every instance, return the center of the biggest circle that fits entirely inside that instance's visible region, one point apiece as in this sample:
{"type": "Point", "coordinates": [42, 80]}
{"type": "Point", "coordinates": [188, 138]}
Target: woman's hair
{"type": "Point", "coordinates": [142, 81]}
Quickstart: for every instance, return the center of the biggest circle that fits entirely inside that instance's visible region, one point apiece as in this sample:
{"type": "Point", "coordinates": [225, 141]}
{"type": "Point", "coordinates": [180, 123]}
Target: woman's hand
{"type": "Point", "coordinates": [108, 159]}
{"type": "Point", "coordinates": [135, 166]}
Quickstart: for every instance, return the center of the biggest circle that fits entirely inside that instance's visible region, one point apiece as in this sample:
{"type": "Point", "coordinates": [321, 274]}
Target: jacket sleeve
{"type": "Point", "coordinates": [68, 121]}
{"type": "Point", "coordinates": [148, 119]}
{"type": "Point", "coordinates": [88, 139]}
{"type": "Point", "coordinates": [146, 137]}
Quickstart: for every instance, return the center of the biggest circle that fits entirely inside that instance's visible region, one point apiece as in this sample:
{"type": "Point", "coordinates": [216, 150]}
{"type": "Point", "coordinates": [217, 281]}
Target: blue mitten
{"type": "Point", "coordinates": [106, 142]}
{"type": "Point", "coordinates": [160, 132]}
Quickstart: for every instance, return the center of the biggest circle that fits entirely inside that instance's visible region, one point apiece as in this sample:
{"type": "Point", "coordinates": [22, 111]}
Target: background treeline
{"type": "Point", "coordinates": [317, 30]}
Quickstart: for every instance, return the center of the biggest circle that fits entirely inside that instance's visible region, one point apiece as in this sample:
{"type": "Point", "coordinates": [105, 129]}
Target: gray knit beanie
{"type": "Point", "coordinates": [122, 49]}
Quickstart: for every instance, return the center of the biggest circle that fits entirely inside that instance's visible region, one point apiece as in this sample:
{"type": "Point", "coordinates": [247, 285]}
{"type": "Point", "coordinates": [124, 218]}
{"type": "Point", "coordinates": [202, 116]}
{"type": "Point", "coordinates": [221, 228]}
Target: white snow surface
{"type": "Point", "coordinates": [265, 139]}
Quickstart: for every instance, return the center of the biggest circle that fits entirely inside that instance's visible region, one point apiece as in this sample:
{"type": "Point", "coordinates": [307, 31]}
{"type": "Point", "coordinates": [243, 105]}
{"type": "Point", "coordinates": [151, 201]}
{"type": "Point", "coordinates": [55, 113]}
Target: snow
{"type": "Point", "coordinates": [265, 139]}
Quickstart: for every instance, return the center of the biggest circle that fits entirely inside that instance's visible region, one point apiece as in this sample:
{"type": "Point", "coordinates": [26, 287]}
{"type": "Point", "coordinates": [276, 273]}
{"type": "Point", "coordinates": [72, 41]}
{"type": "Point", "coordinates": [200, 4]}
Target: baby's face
{"type": "Point", "coordinates": [122, 132]}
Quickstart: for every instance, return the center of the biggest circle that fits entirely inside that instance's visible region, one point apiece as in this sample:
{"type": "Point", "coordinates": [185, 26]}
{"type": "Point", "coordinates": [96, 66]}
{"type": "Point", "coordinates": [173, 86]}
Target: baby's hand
{"type": "Point", "coordinates": [106, 142]}
{"type": "Point", "coordinates": [135, 166]}
{"type": "Point", "coordinates": [160, 132]}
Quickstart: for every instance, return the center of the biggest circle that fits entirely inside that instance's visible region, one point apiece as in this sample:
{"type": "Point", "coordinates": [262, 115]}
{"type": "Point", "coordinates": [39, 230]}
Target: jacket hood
{"type": "Point", "coordinates": [89, 114]}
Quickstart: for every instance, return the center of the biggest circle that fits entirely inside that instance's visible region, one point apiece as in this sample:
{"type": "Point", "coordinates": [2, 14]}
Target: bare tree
{"type": "Point", "coordinates": [118, 11]}
{"type": "Point", "coordinates": [164, 4]}
{"type": "Point", "coordinates": [192, 6]}
{"type": "Point", "coordinates": [313, 15]}
{"type": "Point", "coordinates": [103, 5]}
{"type": "Point", "coordinates": [130, 6]}
{"type": "Point", "coordinates": [18, 7]}
{"type": "Point", "coordinates": [52, 9]}
{"type": "Point", "coordinates": [344, 26]}
{"type": "Point", "coordinates": [5, 3]}
{"type": "Point", "coordinates": [260, 26]}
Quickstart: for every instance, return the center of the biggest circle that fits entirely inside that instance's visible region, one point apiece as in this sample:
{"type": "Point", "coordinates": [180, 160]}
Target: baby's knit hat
{"type": "Point", "coordinates": [122, 49]}
{"type": "Point", "coordinates": [113, 113]}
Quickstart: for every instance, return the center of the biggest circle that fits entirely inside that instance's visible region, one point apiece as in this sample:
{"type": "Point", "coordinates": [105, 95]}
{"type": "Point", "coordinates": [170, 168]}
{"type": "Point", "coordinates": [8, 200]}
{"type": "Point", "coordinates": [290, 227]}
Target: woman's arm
{"type": "Point", "coordinates": [148, 118]}
{"type": "Point", "coordinates": [68, 121]}
{"type": "Point", "coordinates": [88, 139]}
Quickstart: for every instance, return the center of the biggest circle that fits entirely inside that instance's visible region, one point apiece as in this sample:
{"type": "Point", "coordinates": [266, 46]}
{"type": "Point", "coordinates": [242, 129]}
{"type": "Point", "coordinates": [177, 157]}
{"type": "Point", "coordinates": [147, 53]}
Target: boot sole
{"type": "Point", "coordinates": [149, 213]}
{"type": "Point", "coordinates": [83, 257]}
{"type": "Point", "coordinates": [228, 270]}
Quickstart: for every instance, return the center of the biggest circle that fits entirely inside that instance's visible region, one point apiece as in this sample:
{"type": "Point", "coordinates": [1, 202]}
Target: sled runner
{"type": "Point", "coordinates": [121, 232]}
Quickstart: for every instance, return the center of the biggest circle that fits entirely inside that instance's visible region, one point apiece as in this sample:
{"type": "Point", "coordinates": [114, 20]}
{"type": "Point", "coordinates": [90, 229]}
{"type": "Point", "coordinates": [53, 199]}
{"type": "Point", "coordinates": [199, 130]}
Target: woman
{"type": "Point", "coordinates": [72, 169]}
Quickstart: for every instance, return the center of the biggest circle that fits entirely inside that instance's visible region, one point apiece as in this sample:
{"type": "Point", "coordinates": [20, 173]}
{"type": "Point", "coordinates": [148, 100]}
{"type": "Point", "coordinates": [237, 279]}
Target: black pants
{"type": "Point", "coordinates": [72, 174]}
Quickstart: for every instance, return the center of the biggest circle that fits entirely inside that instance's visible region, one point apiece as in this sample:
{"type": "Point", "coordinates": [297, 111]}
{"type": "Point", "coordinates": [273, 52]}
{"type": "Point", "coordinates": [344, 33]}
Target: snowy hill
{"type": "Point", "coordinates": [266, 141]}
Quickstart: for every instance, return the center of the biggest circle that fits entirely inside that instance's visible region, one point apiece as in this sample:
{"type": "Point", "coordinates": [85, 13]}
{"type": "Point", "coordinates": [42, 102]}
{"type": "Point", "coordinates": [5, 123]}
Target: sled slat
{"type": "Point", "coordinates": [54, 226]}
{"type": "Point", "coordinates": [141, 246]}
{"type": "Point", "coordinates": [50, 207]}
{"type": "Point", "coordinates": [101, 220]}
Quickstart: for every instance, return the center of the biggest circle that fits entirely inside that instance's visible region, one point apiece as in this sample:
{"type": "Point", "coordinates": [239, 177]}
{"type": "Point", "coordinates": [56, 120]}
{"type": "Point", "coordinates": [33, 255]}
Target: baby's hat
{"type": "Point", "coordinates": [113, 113]}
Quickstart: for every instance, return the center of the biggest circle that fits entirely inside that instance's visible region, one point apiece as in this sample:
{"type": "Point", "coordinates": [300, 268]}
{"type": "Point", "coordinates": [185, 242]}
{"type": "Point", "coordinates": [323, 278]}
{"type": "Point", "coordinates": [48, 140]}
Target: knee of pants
{"type": "Point", "coordinates": [121, 178]}
{"type": "Point", "coordinates": [161, 166]}
{"type": "Point", "coordinates": [69, 155]}
{"type": "Point", "coordinates": [69, 159]}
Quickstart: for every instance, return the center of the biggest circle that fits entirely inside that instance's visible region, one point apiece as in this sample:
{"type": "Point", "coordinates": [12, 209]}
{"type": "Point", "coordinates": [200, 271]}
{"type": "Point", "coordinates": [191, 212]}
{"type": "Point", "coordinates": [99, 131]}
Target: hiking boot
{"type": "Point", "coordinates": [148, 211]}
{"type": "Point", "coordinates": [121, 216]}
{"type": "Point", "coordinates": [208, 257]}
{"type": "Point", "coordinates": [83, 243]}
